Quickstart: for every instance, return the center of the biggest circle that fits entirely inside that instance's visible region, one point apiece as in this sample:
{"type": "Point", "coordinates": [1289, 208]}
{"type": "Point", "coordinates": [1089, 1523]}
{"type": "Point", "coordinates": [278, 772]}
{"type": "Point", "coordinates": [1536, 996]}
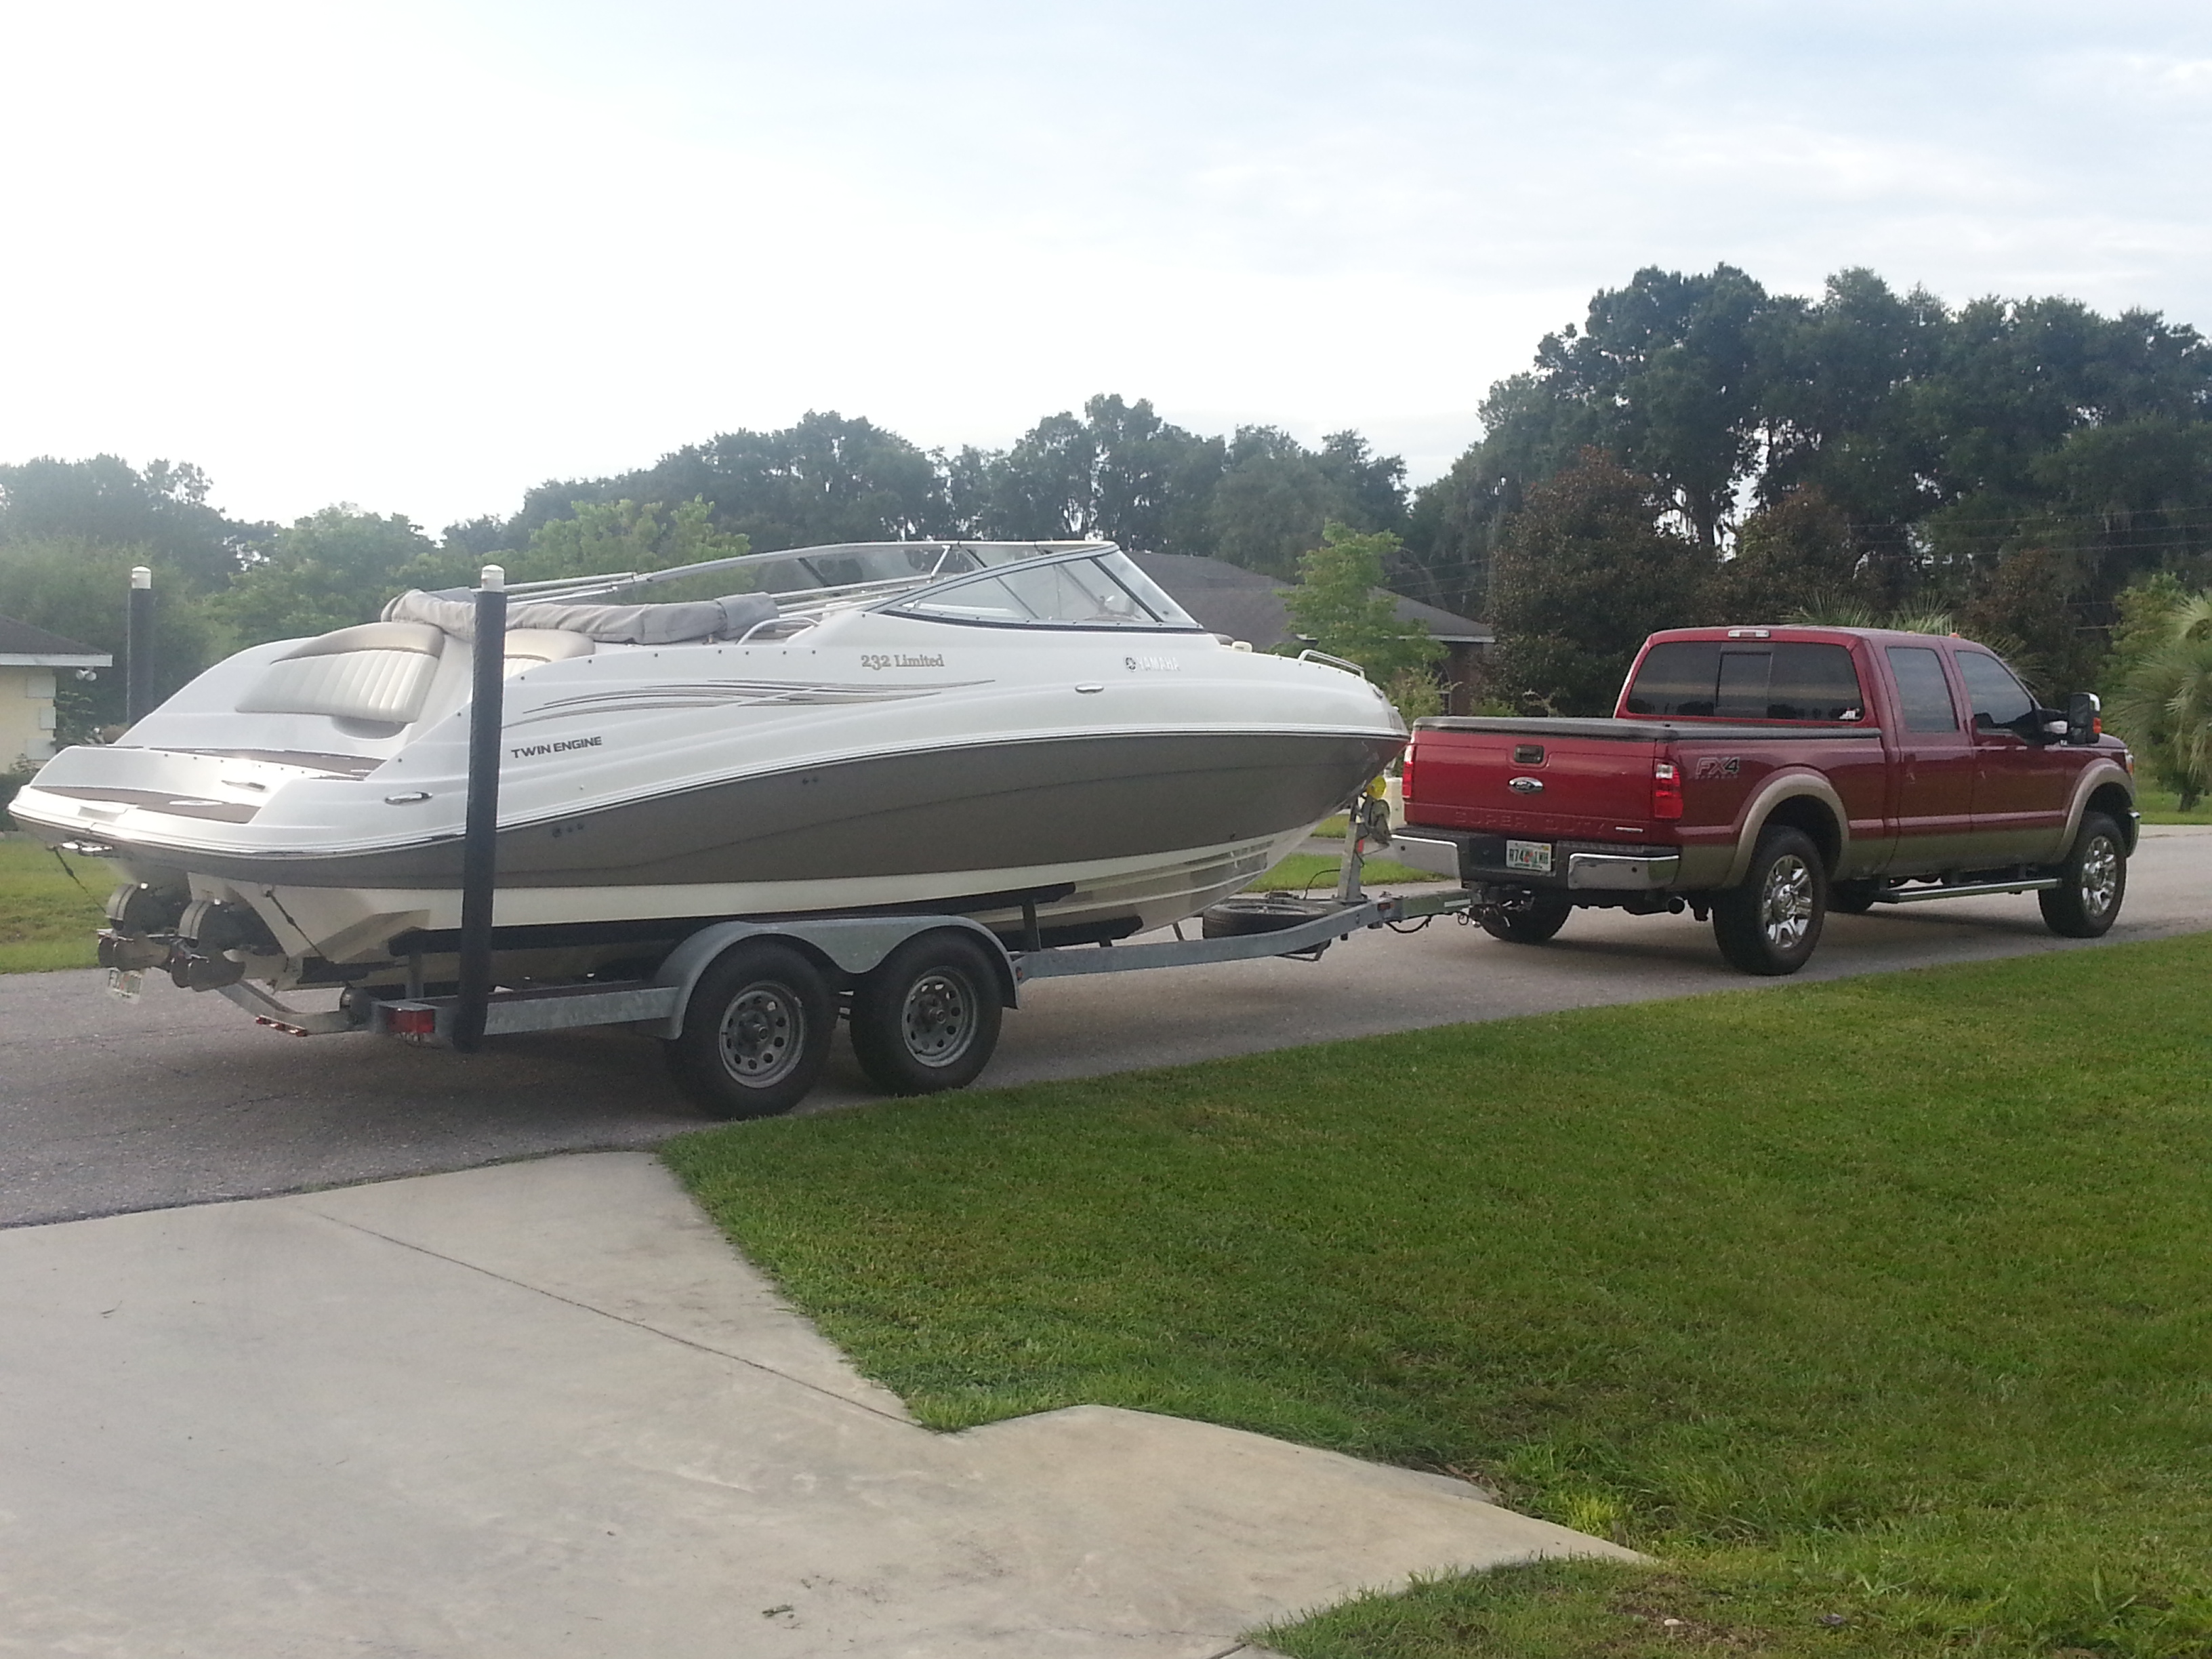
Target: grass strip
{"type": "Point", "coordinates": [47, 920]}
{"type": "Point", "coordinates": [2163, 806]}
{"type": "Point", "coordinates": [1878, 1310]}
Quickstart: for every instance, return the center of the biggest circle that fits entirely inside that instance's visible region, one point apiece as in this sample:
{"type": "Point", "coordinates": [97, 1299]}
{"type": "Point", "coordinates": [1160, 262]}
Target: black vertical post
{"type": "Point", "coordinates": [138, 647]}
{"type": "Point", "coordinates": [480, 839]}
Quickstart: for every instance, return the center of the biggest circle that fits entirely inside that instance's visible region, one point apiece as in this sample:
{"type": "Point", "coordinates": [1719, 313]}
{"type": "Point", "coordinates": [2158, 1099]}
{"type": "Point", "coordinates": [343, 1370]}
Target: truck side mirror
{"type": "Point", "coordinates": [2085, 718]}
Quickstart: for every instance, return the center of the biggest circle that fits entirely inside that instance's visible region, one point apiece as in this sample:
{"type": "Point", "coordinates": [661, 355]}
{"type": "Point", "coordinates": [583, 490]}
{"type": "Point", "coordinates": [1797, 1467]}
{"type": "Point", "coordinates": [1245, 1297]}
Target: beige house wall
{"type": "Point", "coordinates": [26, 716]}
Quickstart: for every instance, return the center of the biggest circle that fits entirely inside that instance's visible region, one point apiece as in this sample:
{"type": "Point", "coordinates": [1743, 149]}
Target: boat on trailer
{"type": "Point", "coordinates": [1031, 738]}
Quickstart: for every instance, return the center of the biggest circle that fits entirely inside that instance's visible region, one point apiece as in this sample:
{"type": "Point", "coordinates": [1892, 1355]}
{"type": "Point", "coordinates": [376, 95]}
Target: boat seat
{"type": "Point", "coordinates": [533, 647]}
{"type": "Point", "coordinates": [686, 623]}
{"type": "Point", "coordinates": [379, 671]}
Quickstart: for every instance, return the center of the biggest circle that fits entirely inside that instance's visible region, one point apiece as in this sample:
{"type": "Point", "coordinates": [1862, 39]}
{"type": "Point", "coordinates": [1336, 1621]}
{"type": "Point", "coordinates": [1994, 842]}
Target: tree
{"type": "Point", "coordinates": [79, 589]}
{"type": "Point", "coordinates": [1118, 473]}
{"type": "Point", "coordinates": [1340, 604]}
{"type": "Point", "coordinates": [1584, 572]}
{"type": "Point", "coordinates": [1794, 554]}
{"type": "Point", "coordinates": [161, 512]}
{"type": "Point", "coordinates": [826, 479]}
{"type": "Point", "coordinates": [1272, 502]}
{"type": "Point", "coordinates": [331, 569]}
{"type": "Point", "coordinates": [608, 537]}
{"type": "Point", "coordinates": [1662, 375]}
{"type": "Point", "coordinates": [2164, 705]}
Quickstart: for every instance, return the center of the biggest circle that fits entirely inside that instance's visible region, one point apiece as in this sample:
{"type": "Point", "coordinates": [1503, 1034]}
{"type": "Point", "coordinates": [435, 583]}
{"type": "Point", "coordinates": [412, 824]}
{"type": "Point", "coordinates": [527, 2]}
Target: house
{"type": "Point", "coordinates": [1248, 605]}
{"type": "Point", "coordinates": [28, 659]}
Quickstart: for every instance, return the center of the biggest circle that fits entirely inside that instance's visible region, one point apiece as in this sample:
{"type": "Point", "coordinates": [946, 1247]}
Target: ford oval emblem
{"type": "Point", "coordinates": [1525, 785]}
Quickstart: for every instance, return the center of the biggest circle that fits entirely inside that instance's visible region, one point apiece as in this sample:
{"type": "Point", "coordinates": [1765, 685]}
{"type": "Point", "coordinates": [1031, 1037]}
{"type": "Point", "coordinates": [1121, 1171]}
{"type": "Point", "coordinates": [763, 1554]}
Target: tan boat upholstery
{"type": "Point", "coordinates": [532, 647]}
{"type": "Point", "coordinates": [379, 671]}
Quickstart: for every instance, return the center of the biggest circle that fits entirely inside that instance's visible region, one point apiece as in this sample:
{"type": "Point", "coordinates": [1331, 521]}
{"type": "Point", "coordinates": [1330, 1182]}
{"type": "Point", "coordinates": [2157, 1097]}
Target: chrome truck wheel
{"type": "Point", "coordinates": [1771, 923]}
{"type": "Point", "coordinates": [2091, 883]}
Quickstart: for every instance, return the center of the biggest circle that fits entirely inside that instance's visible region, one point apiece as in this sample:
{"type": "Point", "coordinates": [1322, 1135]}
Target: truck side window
{"type": "Point", "coordinates": [1992, 690]}
{"type": "Point", "coordinates": [1921, 691]}
{"type": "Point", "coordinates": [1814, 683]}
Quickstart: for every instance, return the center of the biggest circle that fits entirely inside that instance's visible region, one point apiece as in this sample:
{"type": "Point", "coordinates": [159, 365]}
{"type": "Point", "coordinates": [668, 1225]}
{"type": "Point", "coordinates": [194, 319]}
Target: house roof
{"type": "Point", "coordinates": [23, 646]}
{"type": "Point", "coordinates": [1245, 604]}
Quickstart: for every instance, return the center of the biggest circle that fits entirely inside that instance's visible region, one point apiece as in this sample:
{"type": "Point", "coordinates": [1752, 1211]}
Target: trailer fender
{"type": "Point", "coordinates": [849, 946]}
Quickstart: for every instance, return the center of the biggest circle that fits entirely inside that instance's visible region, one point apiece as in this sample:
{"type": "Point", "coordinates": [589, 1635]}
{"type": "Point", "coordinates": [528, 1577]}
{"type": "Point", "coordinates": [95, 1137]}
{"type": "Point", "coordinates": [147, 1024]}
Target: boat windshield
{"type": "Point", "coordinates": [863, 564]}
{"type": "Point", "coordinates": [1099, 590]}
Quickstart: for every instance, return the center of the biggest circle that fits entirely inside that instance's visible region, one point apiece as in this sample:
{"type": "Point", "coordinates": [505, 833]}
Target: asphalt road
{"type": "Point", "coordinates": [178, 1098]}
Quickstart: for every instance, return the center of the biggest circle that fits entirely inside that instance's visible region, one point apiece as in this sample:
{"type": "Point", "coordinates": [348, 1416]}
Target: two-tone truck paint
{"type": "Point", "coordinates": [1761, 776]}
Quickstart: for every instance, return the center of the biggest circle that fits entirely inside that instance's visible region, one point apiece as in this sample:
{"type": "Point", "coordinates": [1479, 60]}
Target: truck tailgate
{"type": "Point", "coordinates": [1584, 780]}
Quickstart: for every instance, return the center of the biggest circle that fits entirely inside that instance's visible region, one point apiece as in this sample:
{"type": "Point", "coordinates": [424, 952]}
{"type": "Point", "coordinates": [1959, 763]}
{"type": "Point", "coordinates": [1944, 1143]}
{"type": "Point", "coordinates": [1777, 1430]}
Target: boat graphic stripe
{"type": "Point", "coordinates": [714, 694]}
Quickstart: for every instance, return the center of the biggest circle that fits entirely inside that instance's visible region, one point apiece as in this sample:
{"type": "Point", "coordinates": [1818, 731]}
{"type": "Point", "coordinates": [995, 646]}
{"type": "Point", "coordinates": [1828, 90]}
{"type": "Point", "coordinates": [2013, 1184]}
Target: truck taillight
{"type": "Point", "coordinates": [1666, 790]}
{"type": "Point", "coordinates": [1406, 775]}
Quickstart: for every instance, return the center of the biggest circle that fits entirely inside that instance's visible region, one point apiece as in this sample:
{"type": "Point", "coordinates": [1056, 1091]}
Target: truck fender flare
{"type": "Point", "coordinates": [1790, 784]}
{"type": "Point", "coordinates": [2094, 776]}
{"type": "Point", "coordinates": [848, 946]}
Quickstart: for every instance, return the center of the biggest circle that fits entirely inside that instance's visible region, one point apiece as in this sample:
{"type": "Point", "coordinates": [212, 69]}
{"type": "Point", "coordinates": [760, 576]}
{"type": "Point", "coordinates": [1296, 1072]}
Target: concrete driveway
{"type": "Point", "coordinates": [542, 1411]}
{"type": "Point", "coordinates": [107, 1107]}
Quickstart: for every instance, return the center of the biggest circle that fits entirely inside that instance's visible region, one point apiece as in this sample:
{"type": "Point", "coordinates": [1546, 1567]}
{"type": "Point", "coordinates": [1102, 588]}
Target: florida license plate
{"type": "Point", "coordinates": [1534, 856]}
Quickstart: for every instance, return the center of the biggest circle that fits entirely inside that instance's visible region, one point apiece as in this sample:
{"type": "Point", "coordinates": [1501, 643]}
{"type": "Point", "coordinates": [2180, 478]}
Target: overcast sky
{"type": "Point", "coordinates": [421, 257]}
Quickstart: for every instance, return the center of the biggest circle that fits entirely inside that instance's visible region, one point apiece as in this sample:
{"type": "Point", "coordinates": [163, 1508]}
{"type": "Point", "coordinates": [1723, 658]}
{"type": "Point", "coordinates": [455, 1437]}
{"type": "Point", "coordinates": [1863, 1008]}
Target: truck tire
{"type": "Point", "coordinates": [2092, 882]}
{"type": "Point", "coordinates": [1770, 924]}
{"type": "Point", "coordinates": [1533, 924]}
{"type": "Point", "coordinates": [926, 1018]}
{"type": "Point", "coordinates": [756, 1032]}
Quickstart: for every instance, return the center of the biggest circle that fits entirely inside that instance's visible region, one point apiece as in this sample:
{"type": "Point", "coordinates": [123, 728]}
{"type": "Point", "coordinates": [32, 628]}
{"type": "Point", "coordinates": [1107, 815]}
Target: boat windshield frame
{"type": "Point", "coordinates": [977, 555]}
{"type": "Point", "coordinates": [919, 602]}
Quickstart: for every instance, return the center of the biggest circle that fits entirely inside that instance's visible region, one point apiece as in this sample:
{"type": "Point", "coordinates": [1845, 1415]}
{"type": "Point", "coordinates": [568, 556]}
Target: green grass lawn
{"type": "Point", "coordinates": [2163, 806]}
{"type": "Point", "coordinates": [1879, 1312]}
{"type": "Point", "coordinates": [1303, 870]}
{"type": "Point", "coordinates": [47, 921]}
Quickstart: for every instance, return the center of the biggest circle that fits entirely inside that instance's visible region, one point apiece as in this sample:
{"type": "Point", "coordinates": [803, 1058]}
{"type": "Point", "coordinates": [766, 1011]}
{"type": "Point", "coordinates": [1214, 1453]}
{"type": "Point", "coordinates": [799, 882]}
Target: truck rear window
{"type": "Point", "coordinates": [1707, 679]}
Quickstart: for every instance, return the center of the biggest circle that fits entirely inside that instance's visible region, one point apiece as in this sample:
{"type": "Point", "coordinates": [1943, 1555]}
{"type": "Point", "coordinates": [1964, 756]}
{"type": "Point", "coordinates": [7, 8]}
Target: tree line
{"type": "Point", "coordinates": [1695, 449]}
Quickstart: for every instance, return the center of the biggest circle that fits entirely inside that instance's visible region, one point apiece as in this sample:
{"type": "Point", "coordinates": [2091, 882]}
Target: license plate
{"type": "Point", "coordinates": [1532, 855]}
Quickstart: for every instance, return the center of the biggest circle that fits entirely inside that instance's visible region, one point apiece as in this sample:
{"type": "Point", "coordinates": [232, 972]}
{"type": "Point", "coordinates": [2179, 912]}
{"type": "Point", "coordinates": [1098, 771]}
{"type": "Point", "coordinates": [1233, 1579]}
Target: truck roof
{"type": "Point", "coordinates": [1797, 633]}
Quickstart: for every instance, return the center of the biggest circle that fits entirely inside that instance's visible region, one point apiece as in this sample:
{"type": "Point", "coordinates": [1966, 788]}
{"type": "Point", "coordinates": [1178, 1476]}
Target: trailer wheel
{"type": "Point", "coordinates": [2092, 882]}
{"type": "Point", "coordinates": [927, 1017]}
{"type": "Point", "coordinates": [755, 1032]}
{"type": "Point", "coordinates": [1770, 924]}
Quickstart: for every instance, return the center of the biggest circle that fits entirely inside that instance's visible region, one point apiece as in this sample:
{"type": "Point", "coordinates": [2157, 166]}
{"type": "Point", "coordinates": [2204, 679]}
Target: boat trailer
{"type": "Point", "coordinates": [746, 1009]}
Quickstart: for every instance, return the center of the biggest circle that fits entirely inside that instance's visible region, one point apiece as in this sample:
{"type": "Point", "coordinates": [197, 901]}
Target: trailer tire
{"type": "Point", "coordinates": [1246, 914]}
{"type": "Point", "coordinates": [926, 1017]}
{"type": "Point", "coordinates": [756, 1032]}
{"type": "Point", "coordinates": [2092, 882]}
{"type": "Point", "coordinates": [1770, 924]}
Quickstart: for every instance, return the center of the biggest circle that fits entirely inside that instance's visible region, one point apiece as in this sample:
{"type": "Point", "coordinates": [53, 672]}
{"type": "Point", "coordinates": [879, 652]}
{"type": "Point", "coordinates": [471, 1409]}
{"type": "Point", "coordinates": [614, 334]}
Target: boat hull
{"type": "Point", "coordinates": [1106, 832]}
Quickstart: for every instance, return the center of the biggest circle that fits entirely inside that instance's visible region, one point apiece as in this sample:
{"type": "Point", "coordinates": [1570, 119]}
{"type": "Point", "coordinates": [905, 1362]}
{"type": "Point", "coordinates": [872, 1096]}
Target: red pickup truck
{"type": "Point", "coordinates": [1763, 776]}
